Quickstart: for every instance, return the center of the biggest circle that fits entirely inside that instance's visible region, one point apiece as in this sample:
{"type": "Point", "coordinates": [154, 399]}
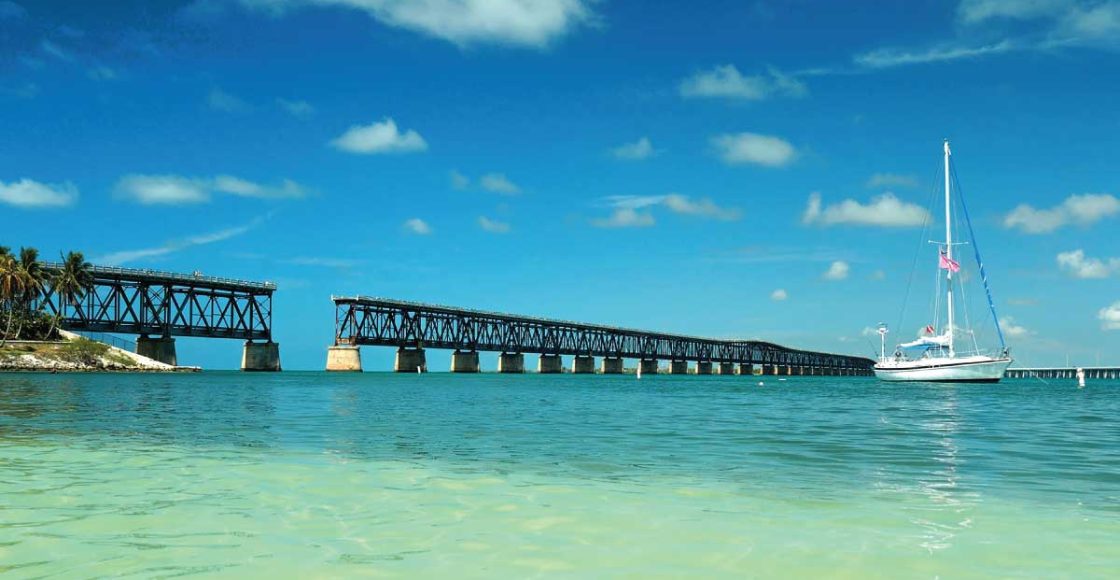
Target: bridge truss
{"type": "Point", "coordinates": [383, 322]}
{"type": "Point", "coordinates": [147, 302]}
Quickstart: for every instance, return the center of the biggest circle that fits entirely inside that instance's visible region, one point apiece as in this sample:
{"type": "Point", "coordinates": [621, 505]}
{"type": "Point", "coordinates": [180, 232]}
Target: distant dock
{"type": "Point", "coordinates": [1064, 373]}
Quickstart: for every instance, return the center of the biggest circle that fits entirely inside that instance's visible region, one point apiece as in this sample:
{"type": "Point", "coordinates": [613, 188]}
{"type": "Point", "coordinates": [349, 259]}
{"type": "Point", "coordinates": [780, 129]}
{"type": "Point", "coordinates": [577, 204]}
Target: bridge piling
{"type": "Point", "coordinates": [611, 365]}
{"type": "Point", "coordinates": [746, 369]}
{"type": "Point", "coordinates": [464, 361]}
{"type": "Point", "coordinates": [678, 367]}
{"type": "Point", "coordinates": [647, 366]}
{"type": "Point", "coordinates": [509, 362]}
{"type": "Point", "coordinates": [704, 367]}
{"type": "Point", "coordinates": [550, 364]}
{"type": "Point", "coordinates": [726, 368]}
{"type": "Point", "coordinates": [260, 356]}
{"type": "Point", "coordinates": [161, 349]}
{"type": "Point", "coordinates": [583, 365]}
{"type": "Point", "coordinates": [410, 360]}
{"type": "Point", "coordinates": [342, 358]}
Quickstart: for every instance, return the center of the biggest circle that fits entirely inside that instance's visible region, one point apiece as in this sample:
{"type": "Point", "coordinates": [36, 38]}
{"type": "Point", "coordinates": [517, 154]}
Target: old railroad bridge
{"type": "Point", "coordinates": [159, 306]}
{"type": "Point", "coordinates": [413, 327]}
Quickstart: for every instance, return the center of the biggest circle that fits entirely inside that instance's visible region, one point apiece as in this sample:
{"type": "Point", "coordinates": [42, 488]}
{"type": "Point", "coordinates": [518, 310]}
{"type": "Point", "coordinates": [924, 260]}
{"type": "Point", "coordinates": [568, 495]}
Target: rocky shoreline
{"type": "Point", "coordinates": [77, 355]}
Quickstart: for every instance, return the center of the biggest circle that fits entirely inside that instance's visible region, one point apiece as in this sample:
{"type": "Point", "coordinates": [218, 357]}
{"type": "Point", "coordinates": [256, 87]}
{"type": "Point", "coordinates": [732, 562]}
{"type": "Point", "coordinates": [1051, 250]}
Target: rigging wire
{"type": "Point", "coordinates": [917, 252]}
{"type": "Point", "coordinates": [976, 251]}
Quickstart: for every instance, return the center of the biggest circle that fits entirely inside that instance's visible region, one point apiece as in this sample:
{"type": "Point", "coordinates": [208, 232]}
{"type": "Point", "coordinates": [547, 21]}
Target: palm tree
{"type": "Point", "coordinates": [11, 286]}
{"type": "Point", "coordinates": [72, 280]}
{"type": "Point", "coordinates": [34, 281]}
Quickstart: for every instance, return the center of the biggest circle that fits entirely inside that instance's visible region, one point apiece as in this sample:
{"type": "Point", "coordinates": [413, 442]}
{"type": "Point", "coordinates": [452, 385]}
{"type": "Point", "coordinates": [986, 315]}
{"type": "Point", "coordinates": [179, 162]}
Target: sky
{"type": "Point", "coordinates": [727, 169]}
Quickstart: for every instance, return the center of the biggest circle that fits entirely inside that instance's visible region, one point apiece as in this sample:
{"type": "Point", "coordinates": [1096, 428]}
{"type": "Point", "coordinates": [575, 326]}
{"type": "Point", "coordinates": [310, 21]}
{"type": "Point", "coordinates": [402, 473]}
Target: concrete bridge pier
{"type": "Point", "coordinates": [704, 367]}
{"type": "Point", "coordinates": [726, 368]}
{"type": "Point", "coordinates": [774, 370]}
{"type": "Point", "coordinates": [511, 362]}
{"type": "Point", "coordinates": [410, 360]}
{"type": "Point", "coordinates": [678, 367]}
{"type": "Point", "coordinates": [583, 365]}
{"type": "Point", "coordinates": [611, 365]}
{"type": "Point", "coordinates": [550, 364]}
{"type": "Point", "coordinates": [647, 366]}
{"type": "Point", "coordinates": [464, 361]}
{"type": "Point", "coordinates": [260, 356]}
{"type": "Point", "coordinates": [789, 370]}
{"type": "Point", "coordinates": [344, 358]}
{"type": "Point", "coordinates": [746, 369]}
{"type": "Point", "coordinates": [161, 349]}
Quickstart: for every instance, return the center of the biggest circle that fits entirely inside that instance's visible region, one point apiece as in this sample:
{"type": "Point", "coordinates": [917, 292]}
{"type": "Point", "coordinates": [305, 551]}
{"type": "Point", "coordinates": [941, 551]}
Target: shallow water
{"type": "Point", "coordinates": [317, 475]}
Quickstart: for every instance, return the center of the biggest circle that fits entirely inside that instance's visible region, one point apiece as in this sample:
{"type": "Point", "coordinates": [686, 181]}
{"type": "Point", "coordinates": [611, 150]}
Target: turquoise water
{"type": "Point", "coordinates": [316, 475]}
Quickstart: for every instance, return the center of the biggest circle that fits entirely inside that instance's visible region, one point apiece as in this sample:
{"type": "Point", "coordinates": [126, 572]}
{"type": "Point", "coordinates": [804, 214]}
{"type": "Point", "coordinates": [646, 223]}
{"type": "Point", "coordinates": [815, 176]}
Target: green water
{"type": "Point", "coordinates": [316, 475]}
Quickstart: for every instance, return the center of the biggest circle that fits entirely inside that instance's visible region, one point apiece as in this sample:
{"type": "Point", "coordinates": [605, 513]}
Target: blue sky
{"type": "Point", "coordinates": [731, 169]}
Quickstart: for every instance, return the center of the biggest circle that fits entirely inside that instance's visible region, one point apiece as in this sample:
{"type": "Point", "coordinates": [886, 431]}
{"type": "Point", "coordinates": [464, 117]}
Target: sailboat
{"type": "Point", "coordinates": [941, 357]}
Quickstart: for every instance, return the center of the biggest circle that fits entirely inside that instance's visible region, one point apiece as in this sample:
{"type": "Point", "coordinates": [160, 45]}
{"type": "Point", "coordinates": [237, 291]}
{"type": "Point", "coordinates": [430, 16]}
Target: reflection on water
{"type": "Point", "coordinates": [308, 473]}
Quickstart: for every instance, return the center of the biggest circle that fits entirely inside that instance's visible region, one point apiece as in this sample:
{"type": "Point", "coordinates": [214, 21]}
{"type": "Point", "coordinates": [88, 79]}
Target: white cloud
{"type": "Point", "coordinates": [1080, 266]}
{"type": "Point", "coordinates": [417, 226]}
{"type": "Point", "coordinates": [179, 190]}
{"type": "Point", "coordinates": [878, 275]}
{"type": "Point", "coordinates": [765, 150]}
{"type": "Point", "coordinates": [636, 151]}
{"type": "Point", "coordinates": [493, 226]}
{"type": "Point", "coordinates": [162, 189]}
{"type": "Point", "coordinates": [499, 183]}
{"type": "Point", "coordinates": [883, 211]}
{"type": "Point", "coordinates": [27, 193]}
{"type": "Point", "coordinates": [891, 180]}
{"type": "Point", "coordinates": [1081, 210]}
{"type": "Point", "coordinates": [726, 82]}
{"type": "Point", "coordinates": [296, 108]}
{"type": "Point", "coordinates": [838, 270]}
{"type": "Point", "coordinates": [126, 256]}
{"type": "Point", "coordinates": [626, 217]}
{"type": "Point", "coordinates": [220, 100]}
{"type": "Point", "coordinates": [380, 137]}
{"type": "Point", "coordinates": [459, 181]}
{"type": "Point", "coordinates": [1110, 316]}
{"type": "Point", "coordinates": [779, 295]}
{"type": "Point", "coordinates": [1013, 330]}
{"type": "Point", "coordinates": [530, 23]}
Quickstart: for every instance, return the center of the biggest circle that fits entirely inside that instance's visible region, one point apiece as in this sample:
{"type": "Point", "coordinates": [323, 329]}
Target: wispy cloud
{"type": "Point", "coordinates": [525, 23]}
{"type": "Point", "coordinates": [726, 82]}
{"type": "Point", "coordinates": [179, 190]}
{"type": "Point", "coordinates": [1078, 265]}
{"type": "Point", "coordinates": [30, 194]}
{"type": "Point", "coordinates": [627, 208]}
{"type": "Point", "coordinates": [894, 57]}
{"type": "Point", "coordinates": [636, 151]}
{"type": "Point", "coordinates": [379, 138]}
{"type": "Point", "coordinates": [296, 108]}
{"type": "Point", "coordinates": [625, 217]}
{"type": "Point", "coordinates": [499, 183]}
{"type": "Point", "coordinates": [55, 51]}
{"type": "Point", "coordinates": [837, 270]}
{"type": "Point", "coordinates": [459, 181]}
{"type": "Point", "coordinates": [779, 295]}
{"type": "Point", "coordinates": [11, 11]}
{"type": "Point", "coordinates": [493, 226]}
{"type": "Point", "coordinates": [171, 247]}
{"type": "Point", "coordinates": [324, 262]}
{"type": "Point", "coordinates": [1013, 329]}
{"type": "Point", "coordinates": [879, 180]}
{"type": "Point", "coordinates": [883, 211]}
{"type": "Point", "coordinates": [1081, 210]}
{"type": "Point", "coordinates": [741, 148]}
{"type": "Point", "coordinates": [417, 226]}
{"type": "Point", "coordinates": [102, 73]}
{"type": "Point", "coordinates": [220, 100]}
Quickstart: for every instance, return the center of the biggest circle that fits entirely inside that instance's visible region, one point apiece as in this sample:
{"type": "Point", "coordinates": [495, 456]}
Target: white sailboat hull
{"type": "Point", "coordinates": [973, 369]}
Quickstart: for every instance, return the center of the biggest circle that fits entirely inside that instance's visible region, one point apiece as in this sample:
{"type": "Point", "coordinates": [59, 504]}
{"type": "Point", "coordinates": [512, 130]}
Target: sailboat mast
{"type": "Point", "coordinates": [948, 249]}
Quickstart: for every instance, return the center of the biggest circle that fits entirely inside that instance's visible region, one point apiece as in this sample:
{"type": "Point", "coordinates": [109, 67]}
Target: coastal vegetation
{"type": "Point", "coordinates": [25, 281]}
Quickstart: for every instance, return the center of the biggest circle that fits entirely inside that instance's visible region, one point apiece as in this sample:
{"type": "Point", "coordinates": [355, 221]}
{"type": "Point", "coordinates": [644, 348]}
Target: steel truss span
{"type": "Point", "coordinates": [145, 302]}
{"type": "Point", "coordinates": [383, 322]}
